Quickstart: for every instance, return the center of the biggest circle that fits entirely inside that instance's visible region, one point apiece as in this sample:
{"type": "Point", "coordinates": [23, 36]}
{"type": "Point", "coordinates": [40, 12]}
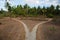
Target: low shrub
{"type": "Point", "coordinates": [50, 15]}
{"type": "Point", "coordinates": [53, 29]}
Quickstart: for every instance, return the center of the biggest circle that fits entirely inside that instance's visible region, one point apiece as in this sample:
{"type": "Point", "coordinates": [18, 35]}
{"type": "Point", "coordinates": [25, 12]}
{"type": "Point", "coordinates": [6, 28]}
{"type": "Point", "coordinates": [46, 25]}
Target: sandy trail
{"type": "Point", "coordinates": [31, 35]}
{"type": "Point", "coordinates": [26, 28]}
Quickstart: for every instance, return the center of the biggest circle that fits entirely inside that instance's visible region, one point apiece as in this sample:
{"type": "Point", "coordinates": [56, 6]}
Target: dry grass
{"type": "Point", "coordinates": [48, 31]}
{"type": "Point", "coordinates": [11, 30]}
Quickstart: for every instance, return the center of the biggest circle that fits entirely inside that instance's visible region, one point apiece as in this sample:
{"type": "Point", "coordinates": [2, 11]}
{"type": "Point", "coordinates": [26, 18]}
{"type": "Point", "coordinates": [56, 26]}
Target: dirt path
{"type": "Point", "coordinates": [31, 35]}
{"type": "Point", "coordinates": [25, 26]}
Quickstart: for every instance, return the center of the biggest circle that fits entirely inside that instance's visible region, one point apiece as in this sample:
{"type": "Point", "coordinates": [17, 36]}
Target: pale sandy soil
{"type": "Point", "coordinates": [31, 23]}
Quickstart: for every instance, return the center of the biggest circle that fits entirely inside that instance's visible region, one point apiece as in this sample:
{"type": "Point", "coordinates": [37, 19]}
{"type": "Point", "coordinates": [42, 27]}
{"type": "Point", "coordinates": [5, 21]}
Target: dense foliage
{"type": "Point", "coordinates": [28, 11]}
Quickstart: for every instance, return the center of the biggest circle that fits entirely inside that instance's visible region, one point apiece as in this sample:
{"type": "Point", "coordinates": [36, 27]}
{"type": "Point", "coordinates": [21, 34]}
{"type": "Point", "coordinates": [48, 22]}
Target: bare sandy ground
{"type": "Point", "coordinates": [31, 23]}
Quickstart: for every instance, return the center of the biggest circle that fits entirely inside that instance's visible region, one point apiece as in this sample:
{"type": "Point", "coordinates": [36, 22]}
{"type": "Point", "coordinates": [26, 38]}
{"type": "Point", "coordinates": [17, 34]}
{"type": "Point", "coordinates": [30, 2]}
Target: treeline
{"type": "Point", "coordinates": [26, 10]}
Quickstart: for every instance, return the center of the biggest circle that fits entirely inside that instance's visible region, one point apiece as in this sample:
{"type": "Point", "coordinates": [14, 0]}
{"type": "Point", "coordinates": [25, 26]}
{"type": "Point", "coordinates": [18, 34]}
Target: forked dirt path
{"type": "Point", "coordinates": [31, 35]}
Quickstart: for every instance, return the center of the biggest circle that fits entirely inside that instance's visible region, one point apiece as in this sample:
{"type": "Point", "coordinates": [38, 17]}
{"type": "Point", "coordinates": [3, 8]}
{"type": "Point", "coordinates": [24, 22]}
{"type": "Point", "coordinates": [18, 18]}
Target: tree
{"type": "Point", "coordinates": [26, 9]}
{"type": "Point", "coordinates": [33, 11]}
{"type": "Point", "coordinates": [1, 11]}
{"type": "Point", "coordinates": [39, 10]}
{"type": "Point", "coordinates": [44, 10]}
{"type": "Point", "coordinates": [7, 5]}
{"type": "Point", "coordinates": [26, 6]}
{"type": "Point", "coordinates": [50, 11]}
{"type": "Point", "coordinates": [57, 10]}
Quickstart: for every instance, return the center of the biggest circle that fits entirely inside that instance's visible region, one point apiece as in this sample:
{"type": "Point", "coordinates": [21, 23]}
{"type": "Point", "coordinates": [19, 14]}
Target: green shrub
{"type": "Point", "coordinates": [1, 15]}
{"type": "Point", "coordinates": [13, 15]}
{"type": "Point", "coordinates": [50, 15]}
{"type": "Point", "coordinates": [52, 28]}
